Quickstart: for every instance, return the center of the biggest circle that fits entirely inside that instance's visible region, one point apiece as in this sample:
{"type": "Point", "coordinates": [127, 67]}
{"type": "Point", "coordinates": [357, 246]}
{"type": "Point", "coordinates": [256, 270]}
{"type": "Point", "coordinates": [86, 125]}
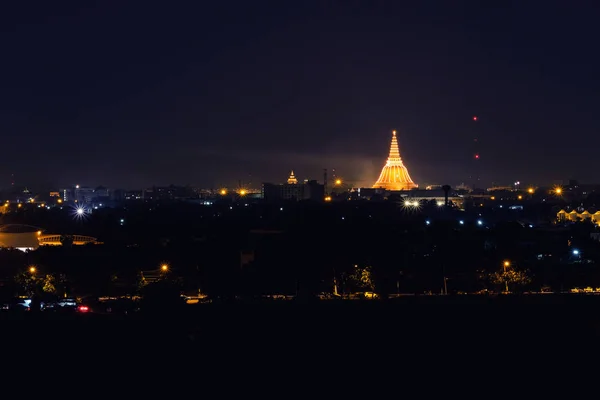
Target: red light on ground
{"type": "Point", "coordinates": [474, 118]}
{"type": "Point", "coordinates": [83, 309]}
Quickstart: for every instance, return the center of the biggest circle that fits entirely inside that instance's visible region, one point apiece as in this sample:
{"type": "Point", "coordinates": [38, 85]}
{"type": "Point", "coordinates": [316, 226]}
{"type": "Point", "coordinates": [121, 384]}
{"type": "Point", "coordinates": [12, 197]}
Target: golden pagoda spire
{"type": "Point", "coordinates": [394, 151]}
{"type": "Point", "coordinates": [394, 175]}
{"type": "Point", "coordinates": [292, 179]}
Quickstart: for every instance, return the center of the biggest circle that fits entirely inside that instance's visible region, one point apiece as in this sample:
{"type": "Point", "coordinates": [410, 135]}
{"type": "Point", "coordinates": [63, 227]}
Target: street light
{"type": "Point", "coordinates": [506, 264]}
{"type": "Point", "coordinates": [32, 269]}
{"type": "Point", "coordinates": [338, 182]}
{"type": "Point", "coordinates": [164, 268]}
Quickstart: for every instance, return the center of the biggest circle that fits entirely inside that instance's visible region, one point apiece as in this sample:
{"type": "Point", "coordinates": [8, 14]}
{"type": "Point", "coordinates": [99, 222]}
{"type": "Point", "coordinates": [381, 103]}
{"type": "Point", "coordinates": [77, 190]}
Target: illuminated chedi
{"type": "Point", "coordinates": [292, 179]}
{"type": "Point", "coordinates": [394, 175]}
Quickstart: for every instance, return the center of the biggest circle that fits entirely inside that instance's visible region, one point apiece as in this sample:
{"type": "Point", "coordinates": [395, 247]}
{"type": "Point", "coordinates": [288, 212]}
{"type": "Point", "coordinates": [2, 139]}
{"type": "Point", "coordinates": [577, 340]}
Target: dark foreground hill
{"type": "Point", "coordinates": [452, 335]}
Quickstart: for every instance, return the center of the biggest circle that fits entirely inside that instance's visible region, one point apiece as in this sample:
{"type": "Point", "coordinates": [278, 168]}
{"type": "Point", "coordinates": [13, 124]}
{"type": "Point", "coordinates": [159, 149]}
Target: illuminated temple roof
{"type": "Point", "coordinates": [292, 179]}
{"type": "Point", "coordinates": [394, 175]}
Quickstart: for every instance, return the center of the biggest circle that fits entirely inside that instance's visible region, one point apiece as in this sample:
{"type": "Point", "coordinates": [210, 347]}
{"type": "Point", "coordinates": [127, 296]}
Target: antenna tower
{"type": "Point", "coordinates": [475, 177]}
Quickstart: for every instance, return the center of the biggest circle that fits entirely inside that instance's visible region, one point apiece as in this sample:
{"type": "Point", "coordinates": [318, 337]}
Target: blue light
{"type": "Point", "coordinates": [427, 222]}
{"type": "Point", "coordinates": [461, 222]}
{"type": "Point", "coordinates": [576, 252]}
{"type": "Point", "coordinates": [479, 222]}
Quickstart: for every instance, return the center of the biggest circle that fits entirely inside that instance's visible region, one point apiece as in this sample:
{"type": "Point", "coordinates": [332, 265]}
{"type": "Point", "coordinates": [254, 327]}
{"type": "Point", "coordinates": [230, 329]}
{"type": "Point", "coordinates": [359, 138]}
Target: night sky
{"type": "Point", "coordinates": [130, 94]}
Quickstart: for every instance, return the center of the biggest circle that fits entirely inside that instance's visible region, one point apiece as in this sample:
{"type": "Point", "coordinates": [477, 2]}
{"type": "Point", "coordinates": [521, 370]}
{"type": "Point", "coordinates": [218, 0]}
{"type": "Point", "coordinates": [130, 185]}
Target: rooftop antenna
{"type": "Point", "coordinates": [325, 180]}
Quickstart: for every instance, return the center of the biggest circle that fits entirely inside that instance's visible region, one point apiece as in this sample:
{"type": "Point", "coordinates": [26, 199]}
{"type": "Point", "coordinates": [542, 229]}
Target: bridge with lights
{"type": "Point", "coordinates": [57, 240]}
{"type": "Point", "coordinates": [29, 237]}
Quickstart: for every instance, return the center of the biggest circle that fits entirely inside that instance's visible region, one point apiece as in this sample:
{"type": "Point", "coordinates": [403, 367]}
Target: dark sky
{"type": "Point", "coordinates": [129, 94]}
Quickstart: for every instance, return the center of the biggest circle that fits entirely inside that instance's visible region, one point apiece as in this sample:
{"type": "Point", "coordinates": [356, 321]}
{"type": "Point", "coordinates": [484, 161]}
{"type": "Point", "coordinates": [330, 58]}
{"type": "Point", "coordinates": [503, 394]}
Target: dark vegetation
{"type": "Point", "coordinates": [248, 250]}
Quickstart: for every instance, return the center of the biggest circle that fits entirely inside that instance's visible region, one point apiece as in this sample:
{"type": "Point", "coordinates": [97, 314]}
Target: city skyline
{"type": "Point", "coordinates": [212, 94]}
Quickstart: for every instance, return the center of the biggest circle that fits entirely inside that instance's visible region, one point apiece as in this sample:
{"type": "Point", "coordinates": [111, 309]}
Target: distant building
{"type": "Point", "coordinates": [409, 197]}
{"type": "Point", "coordinates": [308, 190]}
{"type": "Point", "coordinates": [292, 179]}
{"type": "Point", "coordinates": [433, 187]}
{"type": "Point", "coordinates": [574, 216]}
{"type": "Point", "coordinates": [84, 195]}
{"type": "Point", "coordinates": [171, 192]}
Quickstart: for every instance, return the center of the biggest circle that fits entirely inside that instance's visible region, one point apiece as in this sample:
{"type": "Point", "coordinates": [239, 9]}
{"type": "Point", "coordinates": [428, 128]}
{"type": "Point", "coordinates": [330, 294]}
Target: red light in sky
{"type": "Point", "coordinates": [477, 156]}
{"type": "Point", "coordinates": [475, 118]}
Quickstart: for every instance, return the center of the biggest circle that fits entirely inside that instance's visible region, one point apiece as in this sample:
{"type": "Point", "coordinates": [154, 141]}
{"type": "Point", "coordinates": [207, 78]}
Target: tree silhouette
{"type": "Point", "coordinates": [510, 276]}
{"type": "Point", "coordinates": [361, 279]}
{"type": "Point", "coordinates": [66, 240]}
{"type": "Point", "coordinates": [32, 284]}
